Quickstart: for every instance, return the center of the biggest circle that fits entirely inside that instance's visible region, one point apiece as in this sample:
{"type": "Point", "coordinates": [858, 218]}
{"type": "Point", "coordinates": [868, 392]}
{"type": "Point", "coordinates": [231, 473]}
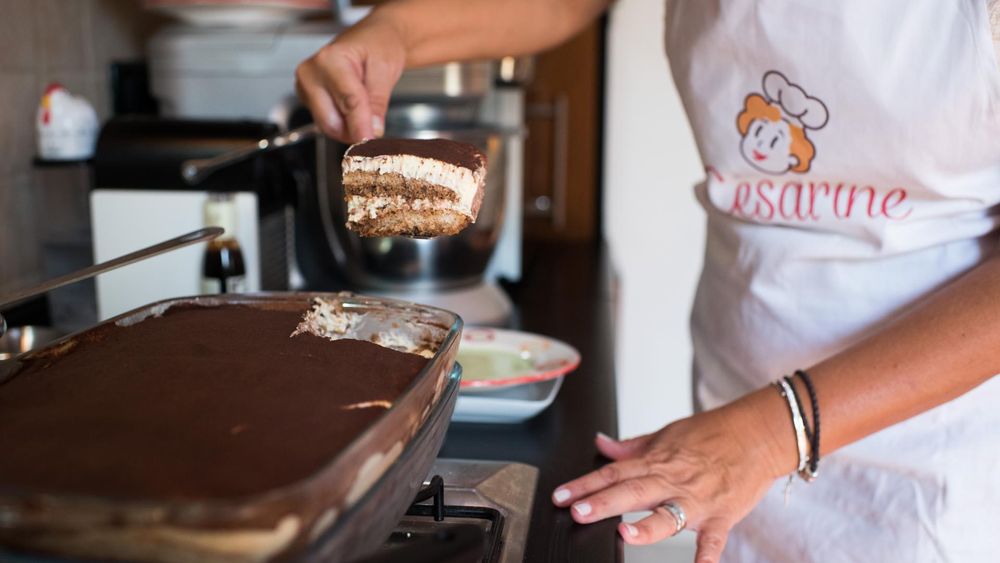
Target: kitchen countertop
{"type": "Point", "coordinates": [565, 293]}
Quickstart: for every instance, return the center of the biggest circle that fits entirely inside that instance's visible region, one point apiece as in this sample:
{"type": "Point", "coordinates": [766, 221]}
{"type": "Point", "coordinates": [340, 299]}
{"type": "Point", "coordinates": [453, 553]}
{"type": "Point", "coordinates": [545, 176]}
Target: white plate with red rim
{"type": "Point", "coordinates": [507, 405]}
{"type": "Point", "coordinates": [495, 358]}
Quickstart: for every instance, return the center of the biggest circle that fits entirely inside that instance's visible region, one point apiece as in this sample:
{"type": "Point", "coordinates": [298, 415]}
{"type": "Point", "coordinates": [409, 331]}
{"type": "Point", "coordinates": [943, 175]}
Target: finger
{"type": "Point", "coordinates": [342, 79]}
{"type": "Point", "coordinates": [712, 536]}
{"type": "Point", "coordinates": [603, 478]}
{"type": "Point", "coordinates": [630, 495]}
{"type": "Point", "coordinates": [658, 526]}
{"type": "Point", "coordinates": [380, 78]}
{"type": "Point", "coordinates": [621, 449]}
{"type": "Point", "coordinates": [312, 92]}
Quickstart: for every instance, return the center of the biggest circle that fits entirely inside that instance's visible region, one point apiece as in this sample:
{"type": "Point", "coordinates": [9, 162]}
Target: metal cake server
{"type": "Point", "coordinates": [195, 170]}
{"type": "Point", "coordinates": [193, 237]}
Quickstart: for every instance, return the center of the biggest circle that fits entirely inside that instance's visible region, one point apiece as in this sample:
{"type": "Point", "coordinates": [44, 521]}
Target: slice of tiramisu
{"type": "Point", "coordinates": [412, 187]}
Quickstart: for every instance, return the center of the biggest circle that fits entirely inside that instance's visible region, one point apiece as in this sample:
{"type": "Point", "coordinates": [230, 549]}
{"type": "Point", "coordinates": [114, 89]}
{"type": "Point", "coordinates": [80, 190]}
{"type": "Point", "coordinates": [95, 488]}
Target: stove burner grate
{"type": "Point", "coordinates": [442, 532]}
{"type": "Point", "coordinates": [435, 490]}
{"type": "Point", "coordinates": [483, 510]}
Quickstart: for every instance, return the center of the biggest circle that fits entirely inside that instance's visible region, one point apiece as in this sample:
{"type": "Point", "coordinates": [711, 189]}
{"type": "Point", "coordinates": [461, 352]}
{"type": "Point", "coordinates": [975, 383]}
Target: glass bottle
{"type": "Point", "coordinates": [223, 269]}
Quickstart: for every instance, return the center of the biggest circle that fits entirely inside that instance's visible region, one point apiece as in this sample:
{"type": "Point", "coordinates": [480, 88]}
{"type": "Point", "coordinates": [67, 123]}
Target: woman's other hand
{"type": "Point", "coordinates": [715, 465]}
{"type": "Point", "coordinates": [347, 83]}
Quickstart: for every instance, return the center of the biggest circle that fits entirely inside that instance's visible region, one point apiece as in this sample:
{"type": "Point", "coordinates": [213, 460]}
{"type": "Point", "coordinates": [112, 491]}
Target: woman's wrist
{"type": "Point", "coordinates": [418, 29]}
{"type": "Point", "coordinates": [392, 18]}
{"type": "Point", "coordinates": [772, 437]}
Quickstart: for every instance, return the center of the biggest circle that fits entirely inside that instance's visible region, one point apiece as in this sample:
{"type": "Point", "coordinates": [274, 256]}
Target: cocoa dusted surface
{"type": "Point", "coordinates": [199, 403]}
{"type": "Point", "coordinates": [452, 152]}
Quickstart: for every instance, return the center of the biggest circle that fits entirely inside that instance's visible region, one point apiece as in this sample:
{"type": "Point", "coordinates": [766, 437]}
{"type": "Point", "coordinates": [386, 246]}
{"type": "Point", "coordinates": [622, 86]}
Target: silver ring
{"type": "Point", "coordinates": [678, 513]}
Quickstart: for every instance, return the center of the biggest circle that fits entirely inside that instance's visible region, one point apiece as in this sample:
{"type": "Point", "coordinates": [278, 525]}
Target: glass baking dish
{"type": "Point", "coordinates": [340, 513]}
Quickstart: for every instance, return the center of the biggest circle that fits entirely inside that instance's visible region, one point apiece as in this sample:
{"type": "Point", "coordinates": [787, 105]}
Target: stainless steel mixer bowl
{"type": "Point", "coordinates": [407, 264]}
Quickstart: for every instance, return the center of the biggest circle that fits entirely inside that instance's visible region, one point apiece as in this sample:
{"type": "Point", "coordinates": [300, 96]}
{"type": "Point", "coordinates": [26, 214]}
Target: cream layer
{"type": "Point", "coordinates": [360, 207]}
{"type": "Point", "coordinates": [464, 182]}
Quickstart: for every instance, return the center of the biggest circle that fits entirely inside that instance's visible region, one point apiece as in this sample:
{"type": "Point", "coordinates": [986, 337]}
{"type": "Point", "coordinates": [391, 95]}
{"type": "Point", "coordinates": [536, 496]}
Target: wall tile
{"type": "Point", "coordinates": [64, 35]}
{"type": "Point", "coordinates": [61, 199]}
{"type": "Point", "coordinates": [20, 257]}
{"type": "Point", "coordinates": [121, 28]}
{"type": "Point", "coordinates": [100, 94]}
{"type": "Point", "coordinates": [30, 262]}
{"type": "Point", "coordinates": [20, 94]}
{"type": "Point", "coordinates": [17, 35]}
{"type": "Point", "coordinates": [44, 41]}
{"type": "Point", "coordinates": [8, 232]}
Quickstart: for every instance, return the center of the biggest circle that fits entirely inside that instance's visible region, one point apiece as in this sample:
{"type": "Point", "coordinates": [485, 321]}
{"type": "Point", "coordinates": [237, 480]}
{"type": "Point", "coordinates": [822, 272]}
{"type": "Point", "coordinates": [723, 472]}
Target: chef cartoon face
{"type": "Point", "coordinates": [773, 126]}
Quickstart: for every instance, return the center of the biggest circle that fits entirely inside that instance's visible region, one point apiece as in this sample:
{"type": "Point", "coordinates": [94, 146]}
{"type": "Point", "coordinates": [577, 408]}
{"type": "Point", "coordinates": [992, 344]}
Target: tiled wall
{"type": "Point", "coordinates": [42, 41]}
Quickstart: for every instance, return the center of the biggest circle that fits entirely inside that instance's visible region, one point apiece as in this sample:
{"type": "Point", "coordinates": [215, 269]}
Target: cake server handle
{"type": "Point", "coordinates": [195, 170]}
{"type": "Point", "coordinates": [201, 235]}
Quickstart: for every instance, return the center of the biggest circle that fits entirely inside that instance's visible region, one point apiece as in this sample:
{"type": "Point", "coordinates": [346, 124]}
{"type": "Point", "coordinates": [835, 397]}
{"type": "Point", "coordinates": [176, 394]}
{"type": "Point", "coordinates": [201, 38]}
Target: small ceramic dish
{"type": "Point", "coordinates": [507, 405]}
{"type": "Point", "coordinates": [495, 359]}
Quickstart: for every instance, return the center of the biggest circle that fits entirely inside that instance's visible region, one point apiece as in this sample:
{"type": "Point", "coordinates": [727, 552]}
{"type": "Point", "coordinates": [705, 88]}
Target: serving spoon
{"type": "Point", "coordinates": [201, 235]}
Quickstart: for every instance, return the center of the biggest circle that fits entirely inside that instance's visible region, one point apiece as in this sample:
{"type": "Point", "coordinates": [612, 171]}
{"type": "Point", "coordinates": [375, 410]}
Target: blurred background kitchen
{"type": "Point", "coordinates": [588, 143]}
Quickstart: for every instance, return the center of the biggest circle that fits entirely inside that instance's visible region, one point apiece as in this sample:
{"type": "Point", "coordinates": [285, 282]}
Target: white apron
{"type": "Point", "coordinates": [852, 154]}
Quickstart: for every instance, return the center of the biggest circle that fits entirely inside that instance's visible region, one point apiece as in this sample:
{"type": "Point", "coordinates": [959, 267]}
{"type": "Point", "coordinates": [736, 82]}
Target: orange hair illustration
{"type": "Point", "coordinates": [756, 107]}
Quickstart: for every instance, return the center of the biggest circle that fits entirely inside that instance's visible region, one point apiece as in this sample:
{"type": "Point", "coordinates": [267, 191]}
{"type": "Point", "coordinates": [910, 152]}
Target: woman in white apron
{"type": "Point", "coordinates": [852, 154]}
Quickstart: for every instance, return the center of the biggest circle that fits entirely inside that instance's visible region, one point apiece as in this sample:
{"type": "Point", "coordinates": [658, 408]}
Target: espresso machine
{"type": "Point", "coordinates": [246, 75]}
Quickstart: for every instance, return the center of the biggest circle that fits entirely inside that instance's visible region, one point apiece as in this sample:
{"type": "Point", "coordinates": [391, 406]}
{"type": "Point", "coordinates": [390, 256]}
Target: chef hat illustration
{"type": "Point", "coordinates": [797, 107]}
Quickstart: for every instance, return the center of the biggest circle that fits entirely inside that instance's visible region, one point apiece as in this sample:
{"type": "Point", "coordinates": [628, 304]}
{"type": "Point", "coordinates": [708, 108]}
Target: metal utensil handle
{"type": "Point", "coordinates": [195, 170]}
{"type": "Point", "coordinates": [200, 235]}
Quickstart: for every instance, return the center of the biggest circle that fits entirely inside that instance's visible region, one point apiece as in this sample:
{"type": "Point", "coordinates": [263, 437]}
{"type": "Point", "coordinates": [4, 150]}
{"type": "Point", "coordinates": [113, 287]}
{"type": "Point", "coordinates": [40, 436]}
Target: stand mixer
{"type": "Point", "coordinates": [446, 272]}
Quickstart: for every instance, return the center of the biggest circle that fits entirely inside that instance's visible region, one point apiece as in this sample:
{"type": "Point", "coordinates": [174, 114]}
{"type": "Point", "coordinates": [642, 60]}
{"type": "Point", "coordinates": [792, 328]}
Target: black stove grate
{"type": "Point", "coordinates": [438, 532]}
{"type": "Point", "coordinates": [435, 490]}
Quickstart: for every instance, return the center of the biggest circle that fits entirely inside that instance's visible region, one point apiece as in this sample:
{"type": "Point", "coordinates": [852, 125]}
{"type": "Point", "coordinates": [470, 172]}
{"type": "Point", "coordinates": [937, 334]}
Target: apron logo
{"type": "Point", "coordinates": [773, 126]}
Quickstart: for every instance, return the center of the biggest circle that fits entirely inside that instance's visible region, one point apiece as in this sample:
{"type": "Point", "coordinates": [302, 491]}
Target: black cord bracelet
{"type": "Point", "coordinates": [814, 439]}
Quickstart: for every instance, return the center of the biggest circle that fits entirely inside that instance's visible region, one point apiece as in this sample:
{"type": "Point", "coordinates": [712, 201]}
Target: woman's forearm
{"type": "Point", "coordinates": [941, 349]}
{"type": "Point", "coordinates": [438, 31]}
{"type": "Point", "coordinates": [718, 464]}
{"type": "Point", "coordinates": [347, 84]}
